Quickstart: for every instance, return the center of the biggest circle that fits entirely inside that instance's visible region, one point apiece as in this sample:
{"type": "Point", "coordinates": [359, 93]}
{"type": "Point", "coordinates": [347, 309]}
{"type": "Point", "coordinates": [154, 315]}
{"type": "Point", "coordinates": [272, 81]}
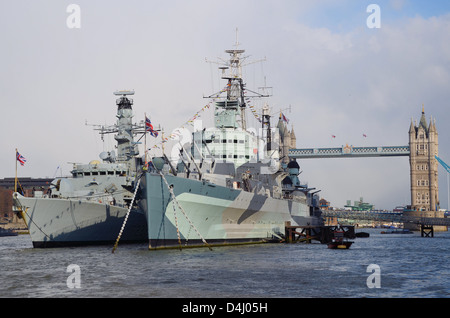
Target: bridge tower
{"type": "Point", "coordinates": [423, 145]}
{"type": "Point", "coordinates": [288, 140]}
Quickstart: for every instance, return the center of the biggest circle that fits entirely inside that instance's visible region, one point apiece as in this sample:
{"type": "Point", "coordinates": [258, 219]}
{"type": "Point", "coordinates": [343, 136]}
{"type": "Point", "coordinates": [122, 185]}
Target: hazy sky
{"type": "Point", "coordinates": [339, 77]}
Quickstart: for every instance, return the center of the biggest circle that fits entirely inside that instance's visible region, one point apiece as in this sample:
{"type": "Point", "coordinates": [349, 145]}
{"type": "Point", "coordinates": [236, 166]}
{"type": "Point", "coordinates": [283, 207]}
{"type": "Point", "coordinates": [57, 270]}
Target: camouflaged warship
{"type": "Point", "coordinates": [226, 189]}
{"type": "Point", "coordinates": [90, 206]}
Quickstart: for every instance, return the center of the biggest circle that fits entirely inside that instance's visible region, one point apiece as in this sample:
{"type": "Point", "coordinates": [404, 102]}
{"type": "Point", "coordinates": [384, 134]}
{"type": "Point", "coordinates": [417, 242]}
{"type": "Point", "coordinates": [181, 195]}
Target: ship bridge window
{"type": "Point", "coordinates": [103, 173]}
{"type": "Point", "coordinates": [241, 141]}
{"type": "Point", "coordinates": [87, 173]}
{"type": "Point", "coordinates": [111, 173]}
{"type": "Point", "coordinates": [95, 173]}
{"type": "Point", "coordinates": [224, 141]}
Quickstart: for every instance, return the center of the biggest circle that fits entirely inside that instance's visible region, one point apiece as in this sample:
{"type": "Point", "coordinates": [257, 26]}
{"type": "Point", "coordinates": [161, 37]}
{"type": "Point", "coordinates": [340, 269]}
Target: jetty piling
{"type": "Point", "coordinates": [426, 230]}
{"type": "Point", "coordinates": [308, 233]}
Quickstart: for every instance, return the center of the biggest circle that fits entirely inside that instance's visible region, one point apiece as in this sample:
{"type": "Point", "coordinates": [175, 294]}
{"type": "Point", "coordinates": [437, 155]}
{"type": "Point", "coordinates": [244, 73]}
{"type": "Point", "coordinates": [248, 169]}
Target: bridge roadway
{"type": "Point", "coordinates": [387, 217]}
{"type": "Point", "coordinates": [349, 152]}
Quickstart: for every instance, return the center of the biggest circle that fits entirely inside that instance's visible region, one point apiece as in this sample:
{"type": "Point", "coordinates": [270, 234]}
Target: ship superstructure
{"type": "Point", "coordinates": [230, 140]}
{"type": "Point", "coordinates": [226, 189]}
{"type": "Point", "coordinates": [89, 206]}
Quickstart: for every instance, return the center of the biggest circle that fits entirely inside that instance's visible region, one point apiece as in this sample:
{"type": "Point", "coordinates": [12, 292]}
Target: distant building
{"type": "Point", "coordinates": [324, 204]}
{"type": "Point", "coordinates": [359, 205]}
{"type": "Point", "coordinates": [27, 186]}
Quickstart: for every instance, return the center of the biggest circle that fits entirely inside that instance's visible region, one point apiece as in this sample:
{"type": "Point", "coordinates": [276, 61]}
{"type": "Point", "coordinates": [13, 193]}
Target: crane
{"type": "Point", "coordinates": [447, 168]}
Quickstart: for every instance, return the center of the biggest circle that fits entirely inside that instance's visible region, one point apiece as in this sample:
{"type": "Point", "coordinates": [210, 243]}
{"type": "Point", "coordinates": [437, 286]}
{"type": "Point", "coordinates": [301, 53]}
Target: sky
{"type": "Point", "coordinates": [331, 75]}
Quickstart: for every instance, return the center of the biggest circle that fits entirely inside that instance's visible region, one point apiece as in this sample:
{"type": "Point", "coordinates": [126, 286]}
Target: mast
{"type": "Point", "coordinates": [266, 127]}
{"type": "Point", "coordinates": [124, 130]}
{"type": "Point", "coordinates": [230, 122]}
{"type": "Point", "coordinates": [236, 88]}
{"type": "Point", "coordinates": [124, 137]}
{"type": "Point", "coordinates": [15, 179]}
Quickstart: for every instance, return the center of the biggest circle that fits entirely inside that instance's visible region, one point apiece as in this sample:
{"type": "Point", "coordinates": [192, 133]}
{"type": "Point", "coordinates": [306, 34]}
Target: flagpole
{"type": "Point", "coordinates": [145, 142]}
{"type": "Point", "coordinates": [162, 138]}
{"type": "Point", "coordinates": [15, 179]}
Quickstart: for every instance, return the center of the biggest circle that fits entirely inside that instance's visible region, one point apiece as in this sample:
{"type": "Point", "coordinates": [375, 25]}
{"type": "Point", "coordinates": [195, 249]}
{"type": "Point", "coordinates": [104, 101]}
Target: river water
{"type": "Point", "coordinates": [408, 266]}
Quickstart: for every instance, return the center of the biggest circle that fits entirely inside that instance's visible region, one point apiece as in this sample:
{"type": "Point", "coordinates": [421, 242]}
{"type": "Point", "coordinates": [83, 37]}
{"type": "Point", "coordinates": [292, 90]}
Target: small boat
{"type": "Point", "coordinates": [6, 232]}
{"type": "Point", "coordinates": [339, 241]}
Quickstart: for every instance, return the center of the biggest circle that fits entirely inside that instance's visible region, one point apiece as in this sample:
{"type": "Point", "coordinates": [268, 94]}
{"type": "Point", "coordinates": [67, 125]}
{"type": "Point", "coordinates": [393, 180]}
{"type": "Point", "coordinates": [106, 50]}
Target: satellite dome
{"type": "Point", "coordinates": [293, 165]}
{"type": "Point", "coordinates": [158, 163]}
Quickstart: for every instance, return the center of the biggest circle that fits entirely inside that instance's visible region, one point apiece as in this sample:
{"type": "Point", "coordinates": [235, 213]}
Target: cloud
{"type": "Point", "coordinates": [397, 4]}
{"type": "Point", "coordinates": [339, 77]}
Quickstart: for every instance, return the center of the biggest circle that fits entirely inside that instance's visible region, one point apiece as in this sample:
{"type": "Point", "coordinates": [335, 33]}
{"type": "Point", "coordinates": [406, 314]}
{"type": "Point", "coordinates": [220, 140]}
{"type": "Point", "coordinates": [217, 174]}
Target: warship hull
{"type": "Point", "coordinates": [64, 222]}
{"type": "Point", "coordinates": [203, 211]}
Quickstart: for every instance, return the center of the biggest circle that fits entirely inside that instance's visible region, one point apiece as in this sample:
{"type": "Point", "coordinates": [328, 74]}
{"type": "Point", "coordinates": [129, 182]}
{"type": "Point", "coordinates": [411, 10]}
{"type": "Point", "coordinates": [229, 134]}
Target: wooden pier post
{"type": "Point", "coordinates": [288, 231]}
{"type": "Point", "coordinates": [308, 235]}
{"type": "Point", "coordinates": [426, 230]}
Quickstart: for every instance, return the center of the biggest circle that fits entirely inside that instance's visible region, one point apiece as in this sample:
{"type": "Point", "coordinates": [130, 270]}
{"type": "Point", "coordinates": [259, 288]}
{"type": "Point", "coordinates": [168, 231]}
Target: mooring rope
{"type": "Point", "coordinates": [126, 216]}
{"type": "Point", "coordinates": [176, 224]}
{"type": "Point", "coordinates": [182, 210]}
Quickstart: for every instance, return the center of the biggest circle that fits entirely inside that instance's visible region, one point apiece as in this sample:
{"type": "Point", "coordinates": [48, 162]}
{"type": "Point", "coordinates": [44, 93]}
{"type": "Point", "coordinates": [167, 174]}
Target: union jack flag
{"type": "Point", "coordinates": [149, 127]}
{"type": "Point", "coordinates": [20, 158]}
{"type": "Point", "coordinates": [284, 118]}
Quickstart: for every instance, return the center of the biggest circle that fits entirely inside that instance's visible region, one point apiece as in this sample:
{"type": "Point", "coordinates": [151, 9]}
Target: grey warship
{"type": "Point", "coordinates": [89, 206]}
{"type": "Point", "coordinates": [224, 189]}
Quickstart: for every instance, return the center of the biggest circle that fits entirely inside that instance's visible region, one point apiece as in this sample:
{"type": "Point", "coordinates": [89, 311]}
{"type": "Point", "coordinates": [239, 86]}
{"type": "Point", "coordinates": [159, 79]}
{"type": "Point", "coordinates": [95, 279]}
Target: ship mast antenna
{"type": "Point", "coordinates": [232, 72]}
{"type": "Point", "coordinates": [237, 42]}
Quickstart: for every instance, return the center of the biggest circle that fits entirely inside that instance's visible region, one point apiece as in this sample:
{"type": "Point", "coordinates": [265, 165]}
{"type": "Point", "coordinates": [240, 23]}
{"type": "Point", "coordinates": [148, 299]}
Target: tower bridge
{"type": "Point", "coordinates": [422, 151]}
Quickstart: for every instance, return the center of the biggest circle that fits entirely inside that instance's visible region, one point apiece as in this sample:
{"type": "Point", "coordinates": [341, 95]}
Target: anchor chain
{"type": "Point", "coordinates": [182, 211]}
{"type": "Point", "coordinates": [126, 216]}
